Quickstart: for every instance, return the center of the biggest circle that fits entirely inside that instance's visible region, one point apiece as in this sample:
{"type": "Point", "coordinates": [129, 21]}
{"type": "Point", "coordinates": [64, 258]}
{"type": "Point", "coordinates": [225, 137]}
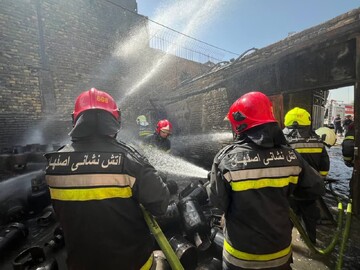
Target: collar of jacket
{"type": "Point", "coordinates": [301, 131]}
{"type": "Point", "coordinates": [95, 123]}
{"type": "Point", "coordinates": [159, 138]}
{"type": "Point", "coordinates": [94, 138]}
{"type": "Point", "coordinates": [268, 135]}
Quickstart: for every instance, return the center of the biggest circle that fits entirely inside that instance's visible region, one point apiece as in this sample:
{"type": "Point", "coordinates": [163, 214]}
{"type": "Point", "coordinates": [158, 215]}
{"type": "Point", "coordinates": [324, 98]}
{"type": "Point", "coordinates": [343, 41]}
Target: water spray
{"type": "Point", "coordinates": [168, 163]}
{"type": "Point", "coordinates": [192, 14]}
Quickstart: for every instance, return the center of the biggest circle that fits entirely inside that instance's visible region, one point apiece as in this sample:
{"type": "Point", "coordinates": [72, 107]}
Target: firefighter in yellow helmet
{"type": "Point", "coordinates": [304, 140]}
{"type": "Point", "coordinates": [144, 127]}
{"type": "Point", "coordinates": [327, 135]}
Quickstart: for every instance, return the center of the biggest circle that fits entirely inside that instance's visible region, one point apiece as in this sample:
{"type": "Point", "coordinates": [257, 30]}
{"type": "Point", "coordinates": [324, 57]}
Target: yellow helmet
{"type": "Point", "coordinates": [327, 135]}
{"type": "Point", "coordinates": [141, 120]}
{"type": "Point", "coordinates": [297, 116]}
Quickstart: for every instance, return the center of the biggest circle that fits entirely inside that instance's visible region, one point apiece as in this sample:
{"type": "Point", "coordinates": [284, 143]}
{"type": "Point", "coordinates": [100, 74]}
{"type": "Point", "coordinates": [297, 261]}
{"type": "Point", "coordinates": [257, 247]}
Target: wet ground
{"type": "Point", "coordinates": [304, 259]}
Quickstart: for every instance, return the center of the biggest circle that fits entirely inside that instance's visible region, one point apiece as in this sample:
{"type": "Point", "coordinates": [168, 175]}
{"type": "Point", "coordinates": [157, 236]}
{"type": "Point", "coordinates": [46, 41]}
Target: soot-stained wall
{"type": "Point", "coordinates": [52, 50]}
{"type": "Point", "coordinates": [290, 72]}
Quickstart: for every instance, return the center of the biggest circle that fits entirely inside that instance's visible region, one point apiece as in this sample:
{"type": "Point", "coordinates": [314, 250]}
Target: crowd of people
{"type": "Point", "coordinates": [99, 185]}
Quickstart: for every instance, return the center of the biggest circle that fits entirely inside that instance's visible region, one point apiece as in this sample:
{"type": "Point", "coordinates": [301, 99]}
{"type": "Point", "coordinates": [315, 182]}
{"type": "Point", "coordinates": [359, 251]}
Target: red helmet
{"type": "Point", "coordinates": [250, 110]}
{"type": "Point", "coordinates": [95, 99]}
{"type": "Point", "coordinates": [164, 125]}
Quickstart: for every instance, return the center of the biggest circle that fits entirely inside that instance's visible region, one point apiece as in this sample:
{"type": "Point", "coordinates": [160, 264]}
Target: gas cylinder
{"type": "Point", "coordinates": [195, 190]}
{"type": "Point", "coordinates": [185, 251]}
{"type": "Point", "coordinates": [194, 222]}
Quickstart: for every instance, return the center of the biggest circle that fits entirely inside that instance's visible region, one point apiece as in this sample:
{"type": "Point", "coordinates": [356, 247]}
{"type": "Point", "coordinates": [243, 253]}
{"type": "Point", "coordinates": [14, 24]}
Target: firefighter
{"type": "Point", "coordinates": [160, 138]}
{"type": "Point", "coordinates": [348, 145]}
{"type": "Point", "coordinates": [143, 126]}
{"type": "Point", "coordinates": [251, 180]}
{"type": "Point", "coordinates": [337, 125]}
{"type": "Point", "coordinates": [346, 122]}
{"type": "Point", "coordinates": [97, 185]}
{"type": "Point", "coordinates": [305, 141]}
{"type": "Point", "coordinates": [327, 135]}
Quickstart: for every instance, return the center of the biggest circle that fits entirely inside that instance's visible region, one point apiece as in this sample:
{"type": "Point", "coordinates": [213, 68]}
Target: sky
{"type": "Point", "coordinates": [238, 25]}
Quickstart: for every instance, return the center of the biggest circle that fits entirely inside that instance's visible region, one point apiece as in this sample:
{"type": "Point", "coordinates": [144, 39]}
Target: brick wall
{"type": "Point", "coordinates": [199, 127]}
{"type": "Point", "coordinates": [52, 50]}
{"type": "Point", "coordinates": [290, 70]}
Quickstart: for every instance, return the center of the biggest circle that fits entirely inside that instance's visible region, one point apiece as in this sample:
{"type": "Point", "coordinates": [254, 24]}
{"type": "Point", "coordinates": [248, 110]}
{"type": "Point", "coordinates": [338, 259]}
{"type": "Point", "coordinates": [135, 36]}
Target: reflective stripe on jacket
{"type": "Point", "coordinates": [143, 133]}
{"type": "Point", "coordinates": [255, 261]}
{"type": "Point", "coordinates": [251, 184]}
{"type": "Point", "coordinates": [311, 148]}
{"type": "Point", "coordinates": [348, 145]}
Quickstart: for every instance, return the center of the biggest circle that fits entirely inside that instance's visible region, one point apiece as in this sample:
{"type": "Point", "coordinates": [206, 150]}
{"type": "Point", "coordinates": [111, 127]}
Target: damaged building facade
{"type": "Point", "coordinates": [51, 51]}
{"type": "Point", "coordinates": [297, 71]}
{"type": "Point", "coordinates": [54, 50]}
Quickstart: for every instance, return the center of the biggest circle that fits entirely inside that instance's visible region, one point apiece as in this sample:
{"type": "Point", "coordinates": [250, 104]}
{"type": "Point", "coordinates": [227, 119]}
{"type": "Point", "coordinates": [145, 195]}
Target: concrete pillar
{"type": "Point", "coordinates": [355, 181]}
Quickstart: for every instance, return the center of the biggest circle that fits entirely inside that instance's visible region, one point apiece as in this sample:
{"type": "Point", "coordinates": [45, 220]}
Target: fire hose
{"type": "Point", "coordinates": [155, 229]}
{"type": "Point", "coordinates": [306, 238]}
{"type": "Point", "coordinates": [346, 231]}
{"type": "Point", "coordinates": [335, 239]}
{"type": "Point", "coordinates": [345, 236]}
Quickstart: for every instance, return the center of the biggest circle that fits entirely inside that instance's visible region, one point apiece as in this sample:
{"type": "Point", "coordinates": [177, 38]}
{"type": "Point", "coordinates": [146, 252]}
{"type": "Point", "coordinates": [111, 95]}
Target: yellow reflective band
{"type": "Point", "coordinates": [308, 150]}
{"type": "Point", "coordinates": [323, 173]}
{"type": "Point", "coordinates": [255, 257]}
{"type": "Point", "coordinates": [144, 133]}
{"type": "Point", "coordinates": [148, 263]}
{"type": "Point", "coordinates": [90, 193]}
{"type": "Point", "coordinates": [349, 138]}
{"type": "Point", "coordinates": [348, 158]}
{"type": "Point", "coordinates": [262, 183]}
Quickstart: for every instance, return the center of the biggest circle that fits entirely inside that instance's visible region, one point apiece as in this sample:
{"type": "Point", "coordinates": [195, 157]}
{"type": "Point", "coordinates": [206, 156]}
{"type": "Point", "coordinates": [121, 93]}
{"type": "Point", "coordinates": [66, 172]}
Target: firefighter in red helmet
{"type": "Point", "coordinates": [100, 182]}
{"type": "Point", "coordinates": [251, 180]}
{"type": "Point", "coordinates": [160, 138]}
